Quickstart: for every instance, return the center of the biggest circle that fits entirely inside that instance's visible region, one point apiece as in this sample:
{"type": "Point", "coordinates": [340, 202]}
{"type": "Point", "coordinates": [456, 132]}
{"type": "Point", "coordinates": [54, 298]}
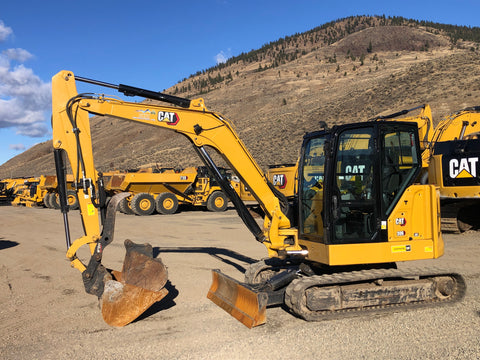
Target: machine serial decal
{"type": "Point", "coordinates": [170, 118]}
{"type": "Point", "coordinates": [463, 168]}
{"type": "Point", "coordinates": [401, 248]}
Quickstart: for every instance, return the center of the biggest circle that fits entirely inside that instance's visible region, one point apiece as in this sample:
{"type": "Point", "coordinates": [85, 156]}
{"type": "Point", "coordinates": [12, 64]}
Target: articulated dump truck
{"type": "Point", "coordinates": [333, 256]}
{"type": "Point", "coordinates": [42, 191]}
{"type": "Point", "coordinates": [164, 190]}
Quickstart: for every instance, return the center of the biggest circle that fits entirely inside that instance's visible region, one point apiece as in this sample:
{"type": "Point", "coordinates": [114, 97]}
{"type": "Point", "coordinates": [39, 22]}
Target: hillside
{"type": "Point", "coordinates": [348, 70]}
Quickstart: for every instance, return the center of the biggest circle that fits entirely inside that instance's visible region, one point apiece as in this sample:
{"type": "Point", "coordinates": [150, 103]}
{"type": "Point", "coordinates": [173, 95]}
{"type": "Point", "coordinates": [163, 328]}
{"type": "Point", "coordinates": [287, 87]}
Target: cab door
{"type": "Point", "coordinates": [354, 187]}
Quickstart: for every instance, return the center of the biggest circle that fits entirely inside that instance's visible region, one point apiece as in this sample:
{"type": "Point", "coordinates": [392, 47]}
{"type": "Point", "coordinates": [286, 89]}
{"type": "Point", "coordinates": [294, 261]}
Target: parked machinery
{"type": "Point", "coordinates": [165, 189]}
{"type": "Point", "coordinates": [451, 153]}
{"type": "Point", "coordinates": [360, 209]}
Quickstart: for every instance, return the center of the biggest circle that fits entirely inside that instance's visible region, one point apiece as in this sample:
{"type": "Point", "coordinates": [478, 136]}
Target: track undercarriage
{"type": "Point", "coordinates": [315, 294]}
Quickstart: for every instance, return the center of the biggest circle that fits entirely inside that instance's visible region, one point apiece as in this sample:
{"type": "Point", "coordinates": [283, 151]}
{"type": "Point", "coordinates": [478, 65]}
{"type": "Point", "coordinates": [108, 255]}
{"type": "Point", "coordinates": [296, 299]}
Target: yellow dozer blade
{"type": "Point", "coordinates": [140, 284]}
{"type": "Point", "coordinates": [244, 304]}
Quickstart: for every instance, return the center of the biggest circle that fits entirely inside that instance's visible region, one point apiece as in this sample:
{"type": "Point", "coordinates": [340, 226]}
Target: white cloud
{"type": "Point", "coordinates": [20, 55]}
{"type": "Point", "coordinates": [17, 147]}
{"type": "Point", "coordinates": [222, 57]}
{"type": "Point", "coordinates": [25, 100]}
{"type": "Point", "coordinates": [5, 31]}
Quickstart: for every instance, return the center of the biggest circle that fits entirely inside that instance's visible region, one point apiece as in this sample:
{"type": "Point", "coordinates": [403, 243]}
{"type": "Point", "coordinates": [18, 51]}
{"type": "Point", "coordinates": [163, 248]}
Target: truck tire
{"type": "Point", "coordinates": [46, 200]}
{"type": "Point", "coordinates": [217, 202]}
{"type": "Point", "coordinates": [166, 203]}
{"type": "Point", "coordinates": [143, 204]}
{"type": "Point", "coordinates": [55, 201]}
{"type": "Point", "coordinates": [124, 207]}
{"type": "Point", "coordinates": [72, 199]}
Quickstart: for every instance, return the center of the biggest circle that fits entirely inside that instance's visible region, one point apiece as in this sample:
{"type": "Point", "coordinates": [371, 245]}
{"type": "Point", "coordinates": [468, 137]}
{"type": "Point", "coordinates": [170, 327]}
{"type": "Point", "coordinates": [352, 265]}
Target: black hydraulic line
{"type": "Point", "coordinates": [242, 210]}
{"type": "Point", "coordinates": [62, 191]}
{"type": "Point", "coordinates": [128, 90]}
{"type": "Point", "coordinates": [399, 113]}
{"type": "Point", "coordinates": [471, 108]}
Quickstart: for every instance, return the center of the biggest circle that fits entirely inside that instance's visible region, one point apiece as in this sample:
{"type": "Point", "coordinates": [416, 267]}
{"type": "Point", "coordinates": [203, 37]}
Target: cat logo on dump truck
{"type": "Point", "coordinates": [170, 118]}
{"type": "Point", "coordinates": [463, 168]}
{"type": "Point", "coordinates": [280, 180]}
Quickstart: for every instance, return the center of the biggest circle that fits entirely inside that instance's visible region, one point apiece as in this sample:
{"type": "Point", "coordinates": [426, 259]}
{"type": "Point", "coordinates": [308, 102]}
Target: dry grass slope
{"type": "Point", "coordinates": [350, 70]}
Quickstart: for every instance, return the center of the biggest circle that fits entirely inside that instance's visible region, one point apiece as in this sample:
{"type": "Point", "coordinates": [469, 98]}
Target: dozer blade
{"type": "Point", "coordinates": [139, 285]}
{"type": "Point", "coordinates": [243, 303]}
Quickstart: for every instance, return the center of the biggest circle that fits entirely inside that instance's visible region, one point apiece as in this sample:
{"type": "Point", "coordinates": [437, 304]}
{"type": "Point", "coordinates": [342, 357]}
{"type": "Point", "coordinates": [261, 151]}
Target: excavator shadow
{"type": "Point", "coordinates": [166, 303]}
{"type": "Point", "coordinates": [5, 244]}
{"type": "Point", "coordinates": [224, 255]}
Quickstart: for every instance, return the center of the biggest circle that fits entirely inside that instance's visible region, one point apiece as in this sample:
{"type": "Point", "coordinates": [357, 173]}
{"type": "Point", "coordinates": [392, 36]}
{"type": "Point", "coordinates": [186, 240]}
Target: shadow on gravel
{"type": "Point", "coordinates": [166, 303]}
{"type": "Point", "coordinates": [5, 244]}
{"type": "Point", "coordinates": [219, 253]}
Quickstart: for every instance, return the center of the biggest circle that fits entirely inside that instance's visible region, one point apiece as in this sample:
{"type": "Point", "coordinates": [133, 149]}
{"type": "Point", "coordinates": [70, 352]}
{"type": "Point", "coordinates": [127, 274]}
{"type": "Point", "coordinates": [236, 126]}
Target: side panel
{"type": "Point", "coordinates": [413, 234]}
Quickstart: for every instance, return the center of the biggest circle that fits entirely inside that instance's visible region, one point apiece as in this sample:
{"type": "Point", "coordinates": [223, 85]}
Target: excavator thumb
{"type": "Point", "coordinates": [239, 300]}
{"type": "Point", "coordinates": [139, 285]}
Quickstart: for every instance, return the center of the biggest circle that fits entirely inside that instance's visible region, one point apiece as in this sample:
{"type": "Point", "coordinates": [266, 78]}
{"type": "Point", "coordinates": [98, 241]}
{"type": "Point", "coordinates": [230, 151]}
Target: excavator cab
{"type": "Point", "coordinates": [369, 167]}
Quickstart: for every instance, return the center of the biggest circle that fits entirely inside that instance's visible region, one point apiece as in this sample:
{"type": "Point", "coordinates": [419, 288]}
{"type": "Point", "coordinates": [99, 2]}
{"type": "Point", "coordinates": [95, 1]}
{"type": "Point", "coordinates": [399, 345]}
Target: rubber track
{"type": "Point", "coordinates": [295, 297]}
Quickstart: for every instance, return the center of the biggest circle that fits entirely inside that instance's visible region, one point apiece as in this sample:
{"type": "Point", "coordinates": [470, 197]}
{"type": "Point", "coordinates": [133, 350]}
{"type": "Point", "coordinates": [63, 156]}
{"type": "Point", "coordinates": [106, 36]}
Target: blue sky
{"type": "Point", "coordinates": [153, 44]}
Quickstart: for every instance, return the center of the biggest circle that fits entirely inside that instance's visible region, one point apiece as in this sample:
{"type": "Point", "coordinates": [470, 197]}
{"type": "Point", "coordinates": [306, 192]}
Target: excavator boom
{"type": "Point", "coordinates": [71, 135]}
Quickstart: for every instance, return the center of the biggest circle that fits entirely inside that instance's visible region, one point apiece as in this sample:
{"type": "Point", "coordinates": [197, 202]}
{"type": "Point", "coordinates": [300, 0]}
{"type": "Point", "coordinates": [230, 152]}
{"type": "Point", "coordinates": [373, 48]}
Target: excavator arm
{"type": "Point", "coordinates": [204, 129]}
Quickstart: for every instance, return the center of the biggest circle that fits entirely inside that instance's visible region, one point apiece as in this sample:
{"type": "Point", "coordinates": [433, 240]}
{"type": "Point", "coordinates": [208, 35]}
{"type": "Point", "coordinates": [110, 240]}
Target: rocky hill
{"type": "Point", "coordinates": [348, 70]}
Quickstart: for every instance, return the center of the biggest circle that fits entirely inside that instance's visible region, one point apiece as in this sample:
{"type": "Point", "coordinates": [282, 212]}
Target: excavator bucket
{"type": "Point", "coordinates": [242, 302]}
{"type": "Point", "coordinates": [139, 285]}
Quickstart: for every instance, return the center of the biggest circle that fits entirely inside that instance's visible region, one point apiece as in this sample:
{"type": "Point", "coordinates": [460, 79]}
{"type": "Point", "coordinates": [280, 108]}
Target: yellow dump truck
{"type": "Point", "coordinates": [164, 190]}
{"type": "Point", "coordinates": [7, 189]}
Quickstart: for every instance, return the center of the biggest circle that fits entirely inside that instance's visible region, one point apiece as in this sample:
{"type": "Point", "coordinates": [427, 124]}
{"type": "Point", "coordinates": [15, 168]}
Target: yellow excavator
{"type": "Point", "coordinates": [451, 153]}
{"type": "Point", "coordinates": [359, 211]}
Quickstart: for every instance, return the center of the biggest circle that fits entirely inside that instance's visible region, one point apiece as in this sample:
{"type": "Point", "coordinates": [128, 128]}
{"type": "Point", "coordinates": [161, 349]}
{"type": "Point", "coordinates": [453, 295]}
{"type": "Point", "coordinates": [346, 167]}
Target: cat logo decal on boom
{"type": "Point", "coordinates": [170, 118]}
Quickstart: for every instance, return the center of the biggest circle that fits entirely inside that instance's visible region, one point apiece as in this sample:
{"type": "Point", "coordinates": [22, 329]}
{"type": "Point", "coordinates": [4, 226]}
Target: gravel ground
{"type": "Point", "coordinates": [45, 313]}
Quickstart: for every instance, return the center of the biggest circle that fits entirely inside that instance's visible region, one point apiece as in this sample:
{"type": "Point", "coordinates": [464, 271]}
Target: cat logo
{"type": "Point", "coordinates": [463, 168]}
{"type": "Point", "coordinates": [170, 118]}
{"type": "Point", "coordinates": [280, 180]}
